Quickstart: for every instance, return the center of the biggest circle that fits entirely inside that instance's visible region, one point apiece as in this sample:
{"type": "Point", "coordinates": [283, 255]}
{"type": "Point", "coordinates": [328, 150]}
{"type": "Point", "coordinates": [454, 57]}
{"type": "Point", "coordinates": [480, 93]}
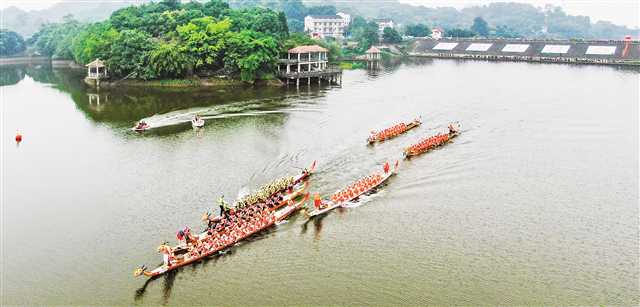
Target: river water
{"type": "Point", "coordinates": [535, 203]}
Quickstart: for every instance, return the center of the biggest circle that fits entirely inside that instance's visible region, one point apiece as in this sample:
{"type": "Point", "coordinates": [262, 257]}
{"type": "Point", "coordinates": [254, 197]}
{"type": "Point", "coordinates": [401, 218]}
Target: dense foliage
{"type": "Point", "coordinates": [10, 43]}
{"type": "Point", "coordinates": [523, 19]}
{"type": "Point", "coordinates": [365, 33]}
{"type": "Point", "coordinates": [391, 36]}
{"type": "Point", "coordinates": [480, 26]}
{"type": "Point", "coordinates": [294, 10]}
{"type": "Point", "coordinates": [417, 30]}
{"type": "Point", "coordinates": [56, 39]}
{"type": "Point", "coordinates": [168, 39]}
{"type": "Point", "coordinates": [459, 33]}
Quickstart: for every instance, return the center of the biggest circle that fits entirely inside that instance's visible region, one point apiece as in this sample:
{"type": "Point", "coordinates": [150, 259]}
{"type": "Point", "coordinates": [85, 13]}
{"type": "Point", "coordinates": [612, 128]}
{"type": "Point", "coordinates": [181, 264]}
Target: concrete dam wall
{"type": "Point", "coordinates": [553, 51]}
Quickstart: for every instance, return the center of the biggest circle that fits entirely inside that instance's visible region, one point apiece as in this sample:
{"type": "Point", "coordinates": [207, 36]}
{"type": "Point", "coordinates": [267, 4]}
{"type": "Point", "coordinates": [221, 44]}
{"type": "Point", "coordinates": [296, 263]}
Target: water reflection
{"type": "Point", "coordinates": [139, 294]}
{"type": "Point", "coordinates": [317, 225]}
{"type": "Point", "coordinates": [10, 74]}
{"type": "Point", "coordinates": [124, 106]}
{"type": "Point", "coordinates": [169, 279]}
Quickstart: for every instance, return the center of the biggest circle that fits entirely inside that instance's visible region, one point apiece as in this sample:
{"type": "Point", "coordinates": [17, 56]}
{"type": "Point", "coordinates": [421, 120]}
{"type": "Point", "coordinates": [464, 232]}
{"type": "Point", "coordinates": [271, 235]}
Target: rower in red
{"type": "Point", "coordinates": [386, 167]}
{"type": "Point", "coordinates": [317, 201]}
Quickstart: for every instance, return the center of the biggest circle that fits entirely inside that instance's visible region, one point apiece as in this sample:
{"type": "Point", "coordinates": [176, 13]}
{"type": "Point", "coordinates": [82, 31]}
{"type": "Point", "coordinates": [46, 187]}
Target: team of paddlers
{"type": "Point", "coordinates": [388, 132]}
{"type": "Point", "coordinates": [233, 223]}
{"type": "Point", "coordinates": [221, 231]}
{"type": "Point", "coordinates": [356, 188]}
{"type": "Point", "coordinates": [266, 191]}
{"type": "Point", "coordinates": [392, 131]}
{"type": "Point", "coordinates": [360, 186]}
{"type": "Point", "coordinates": [431, 142]}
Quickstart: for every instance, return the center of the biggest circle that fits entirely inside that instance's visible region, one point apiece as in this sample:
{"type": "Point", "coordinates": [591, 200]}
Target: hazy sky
{"type": "Point", "coordinates": [624, 12]}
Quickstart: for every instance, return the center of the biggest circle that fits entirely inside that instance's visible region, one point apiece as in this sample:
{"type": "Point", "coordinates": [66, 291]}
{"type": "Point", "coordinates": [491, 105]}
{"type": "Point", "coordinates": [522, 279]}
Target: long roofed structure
{"type": "Point", "coordinates": [309, 61]}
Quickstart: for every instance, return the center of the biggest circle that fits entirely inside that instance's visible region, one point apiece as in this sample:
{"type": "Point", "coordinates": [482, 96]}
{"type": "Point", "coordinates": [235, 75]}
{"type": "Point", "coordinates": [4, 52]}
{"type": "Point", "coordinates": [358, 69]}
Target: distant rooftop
{"type": "Point", "coordinates": [95, 63]}
{"type": "Point", "coordinates": [382, 20]}
{"type": "Point", "coordinates": [325, 16]}
{"type": "Point", "coordinates": [373, 50]}
{"type": "Point", "coordinates": [307, 49]}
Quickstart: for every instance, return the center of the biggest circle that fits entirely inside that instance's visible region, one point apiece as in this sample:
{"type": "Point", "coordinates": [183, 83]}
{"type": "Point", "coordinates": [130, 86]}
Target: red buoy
{"type": "Point", "coordinates": [18, 137]}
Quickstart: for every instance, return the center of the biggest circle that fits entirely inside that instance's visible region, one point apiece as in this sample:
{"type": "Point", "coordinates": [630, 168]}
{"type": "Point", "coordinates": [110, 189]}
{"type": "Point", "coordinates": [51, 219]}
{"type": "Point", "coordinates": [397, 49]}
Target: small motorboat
{"type": "Point", "coordinates": [141, 126]}
{"type": "Point", "coordinates": [197, 122]}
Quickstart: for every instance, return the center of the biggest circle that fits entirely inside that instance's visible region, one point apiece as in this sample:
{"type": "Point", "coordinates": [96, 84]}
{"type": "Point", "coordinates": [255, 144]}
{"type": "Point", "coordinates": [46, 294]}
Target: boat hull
{"type": "Point", "coordinates": [408, 154]}
{"type": "Point", "coordinates": [411, 125]}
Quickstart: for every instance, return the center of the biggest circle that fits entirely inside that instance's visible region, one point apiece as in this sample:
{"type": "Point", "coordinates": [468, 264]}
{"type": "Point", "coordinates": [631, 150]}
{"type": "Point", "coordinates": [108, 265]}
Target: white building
{"type": "Point", "coordinates": [327, 25]}
{"type": "Point", "coordinates": [384, 23]}
{"type": "Point", "coordinates": [436, 33]}
{"type": "Point", "coordinates": [345, 16]}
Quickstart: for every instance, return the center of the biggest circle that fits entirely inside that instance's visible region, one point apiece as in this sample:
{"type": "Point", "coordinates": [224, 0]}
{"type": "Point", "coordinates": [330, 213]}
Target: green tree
{"type": "Point", "coordinates": [391, 36]}
{"type": "Point", "coordinates": [357, 26]}
{"type": "Point", "coordinates": [417, 30]}
{"type": "Point", "coordinates": [260, 20]}
{"type": "Point", "coordinates": [298, 39]}
{"type": "Point", "coordinates": [506, 32]}
{"type": "Point", "coordinates": [322, 10]}
{"type": "Point", "coordinates": [295, 25]}
{"type": "Point", "coordinates": [251, 53]}
{"type": "Point", "coordinates": [566, 26]}
{"type": "Point", "coordinates": [55, 39]}
{"type": "Point", "coordinates": [94, 41]}
{"type": "Point", "coordinates": [480, 26]}
{"type": "Point", "coordinates": [216, 8]}
{"type": "Point", "coordinates": [204, 40]}
{"type": "Point", "coordinates": [368, 36]}
{"type": "Point", "coordinates": [294, 10]}
{"type": "Point", "coordinates": [459, 33]}
{"type": "Point", "coordinates": [167, 61]}
{"type": "Point", "coordinates": [10, 43]}
{"type": "Point", "coordinates": [129, 54]}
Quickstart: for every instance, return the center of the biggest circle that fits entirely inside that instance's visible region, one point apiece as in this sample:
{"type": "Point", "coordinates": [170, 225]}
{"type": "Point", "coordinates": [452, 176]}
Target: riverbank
{"type": "Point", "coordinates": [183, 83]}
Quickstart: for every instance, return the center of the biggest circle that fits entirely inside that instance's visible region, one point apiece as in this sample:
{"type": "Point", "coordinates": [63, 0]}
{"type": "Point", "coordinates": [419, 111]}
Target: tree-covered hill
{"type": "Point", "coordinates": [168, 39]}
{"type": "Point", "coordinates": [521, 19]}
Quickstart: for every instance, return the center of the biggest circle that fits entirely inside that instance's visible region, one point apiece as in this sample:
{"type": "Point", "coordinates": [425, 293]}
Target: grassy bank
{"type": "Point", "coordinates": [190, 82]}
{"type": "Point", "coordinates": [353, 65]}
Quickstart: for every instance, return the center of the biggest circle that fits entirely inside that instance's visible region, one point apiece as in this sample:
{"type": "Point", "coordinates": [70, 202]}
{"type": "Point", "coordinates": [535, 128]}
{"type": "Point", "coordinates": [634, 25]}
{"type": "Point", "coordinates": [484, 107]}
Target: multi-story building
{"type": "Point", "coordinates": [345, 16]}
{"type": "Point", "coordinates": [327, 25]}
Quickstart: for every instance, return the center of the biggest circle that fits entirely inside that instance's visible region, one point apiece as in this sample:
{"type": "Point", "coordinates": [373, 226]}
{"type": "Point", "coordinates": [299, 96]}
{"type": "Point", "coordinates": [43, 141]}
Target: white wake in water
{"type": "Point", "coordinates": [239, 109]}
{"type": "Point", "coordinates": [364, 199]}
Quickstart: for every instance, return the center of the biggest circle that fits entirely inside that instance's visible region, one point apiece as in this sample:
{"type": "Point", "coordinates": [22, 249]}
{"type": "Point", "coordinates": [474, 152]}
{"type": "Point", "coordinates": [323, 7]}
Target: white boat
{"type": "Point", "coordinates": [197, 123]}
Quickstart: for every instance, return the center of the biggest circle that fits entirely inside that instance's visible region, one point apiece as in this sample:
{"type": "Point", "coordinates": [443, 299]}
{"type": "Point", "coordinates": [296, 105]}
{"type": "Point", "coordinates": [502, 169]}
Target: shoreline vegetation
{"type": "Point", "coordinates": [174, 44]}
{"type": "Point", "coordinates": [192, 82]}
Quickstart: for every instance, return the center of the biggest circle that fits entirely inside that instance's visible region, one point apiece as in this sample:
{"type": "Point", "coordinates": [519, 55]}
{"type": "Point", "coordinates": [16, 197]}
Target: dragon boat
{"type": "Point", "coordinates": [207, 246]}
{"type": "Point", "coordinates": [389, 133]}
{"type": "Point", "coordinates": [377, 179]}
